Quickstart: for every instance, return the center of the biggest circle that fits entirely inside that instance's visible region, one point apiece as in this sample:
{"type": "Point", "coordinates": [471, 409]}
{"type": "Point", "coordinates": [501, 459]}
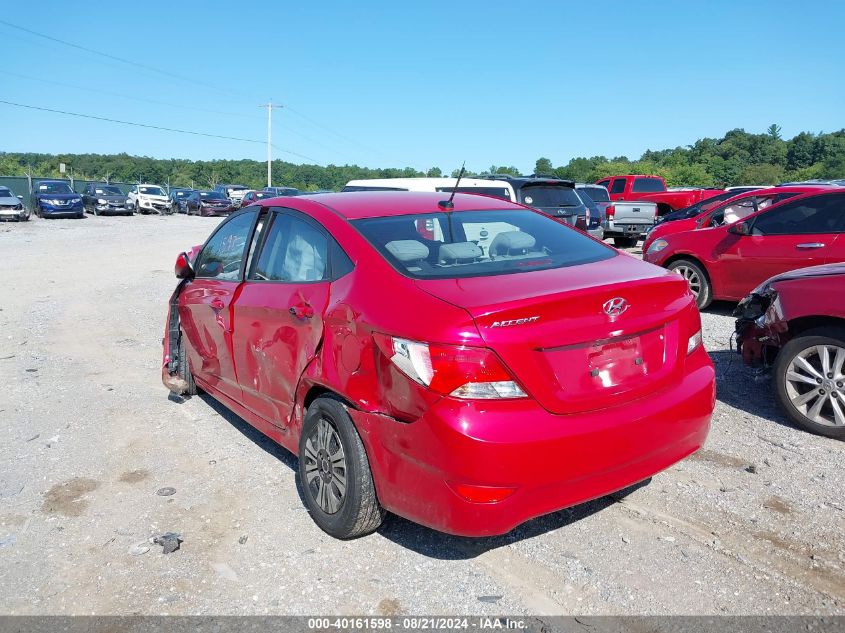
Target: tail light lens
{"type": "Point", "coordinates": [472, 373]}
{"type": "Point", "coordinates": [611, 211]}
{"type": "Point", "coordinates": [694, 342]}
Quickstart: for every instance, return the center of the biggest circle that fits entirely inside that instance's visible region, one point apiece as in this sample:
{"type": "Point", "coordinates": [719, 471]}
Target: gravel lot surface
{"type": "Point", "coordinates": [752, 524]}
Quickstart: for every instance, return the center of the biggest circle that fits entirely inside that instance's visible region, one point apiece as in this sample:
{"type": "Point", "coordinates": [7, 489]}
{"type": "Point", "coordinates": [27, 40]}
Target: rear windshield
{"type": "Point", "coordinates": [496, 192]}
{"type": "Point", "coordinates": [648, 185]}
{"type": "Point", "coordinates": [478, 243]}
{"type": "Point", "coordinates": [549, 196]}
{"type": "Point", "coordinates": [597, 194]}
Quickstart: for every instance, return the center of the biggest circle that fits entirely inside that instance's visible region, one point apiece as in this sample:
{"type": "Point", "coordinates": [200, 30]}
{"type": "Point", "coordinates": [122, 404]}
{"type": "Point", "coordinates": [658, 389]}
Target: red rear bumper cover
{"type": "Point", "coordinates": [553, 461]}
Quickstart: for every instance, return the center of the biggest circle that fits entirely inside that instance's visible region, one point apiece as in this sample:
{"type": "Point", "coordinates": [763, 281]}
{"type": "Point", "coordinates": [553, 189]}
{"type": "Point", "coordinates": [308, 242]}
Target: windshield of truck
{"type": "Point", "coordinates": [549, 196]}
{"type": "Point", "coordinates": [54, 187]}
{"type": "Point", "coordinates": [478, 243]}
{"type": "Point", "coordinates": [648, 185]}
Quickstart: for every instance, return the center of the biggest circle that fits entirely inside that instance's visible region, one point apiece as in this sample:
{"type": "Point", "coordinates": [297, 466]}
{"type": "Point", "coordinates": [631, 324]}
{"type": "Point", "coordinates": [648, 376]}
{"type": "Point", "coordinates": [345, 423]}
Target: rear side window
{"type": "Point", "coordinates": [618, 185]}
{"type": "Point", "coordinates": [818, 214]}
{"type": "Point", "coordinates": [597, 194]}
{"type": "Point", "coordinates": [295, 251]}
{"type": "Point", "coordinates": [222, 256]}
{"type": "Point", "coordinates": [647, 185]}
{"type": "Point", "coordinates": [478, 243]}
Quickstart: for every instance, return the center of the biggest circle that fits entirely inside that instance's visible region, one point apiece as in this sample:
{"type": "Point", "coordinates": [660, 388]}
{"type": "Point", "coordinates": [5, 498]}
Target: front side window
{"type": "Point", "coordinates": [295, 251]}
{"type": "Point", "coordinates": [478, 243]}
{"type": "Point", "coordinates": [222, 256]}
{"type": "Point", "coordinates": [618, 185]}
{"type": "Point", "coordinates": [648, 185]}
{"type": "Point", "coordinates": [817, 214]}
{"type": "Point", "coordinates": [604, 183]}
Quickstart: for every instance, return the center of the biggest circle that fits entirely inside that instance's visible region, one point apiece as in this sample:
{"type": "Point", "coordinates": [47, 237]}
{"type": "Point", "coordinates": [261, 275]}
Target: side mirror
{"type": "Point", "coordinates": [20, 197]}
{"type": "Point", "coordinates": [183, 268]}
{"type": "Point", "coordinates": [740, 228]}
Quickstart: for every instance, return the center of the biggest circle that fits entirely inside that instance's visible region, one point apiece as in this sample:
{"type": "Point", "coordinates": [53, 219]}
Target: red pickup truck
{"type": "Point", "coordinates": [653, 189]}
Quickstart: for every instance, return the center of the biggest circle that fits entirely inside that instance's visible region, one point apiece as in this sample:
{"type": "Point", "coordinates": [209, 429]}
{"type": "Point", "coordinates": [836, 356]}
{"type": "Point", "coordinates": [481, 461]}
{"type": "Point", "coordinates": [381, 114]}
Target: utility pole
{"type": "Point", "coordinates": [269, 105]}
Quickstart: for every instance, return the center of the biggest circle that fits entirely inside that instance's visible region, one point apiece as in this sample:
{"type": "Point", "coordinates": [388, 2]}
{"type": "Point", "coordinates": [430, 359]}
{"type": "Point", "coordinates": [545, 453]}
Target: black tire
{"type": "Point", "coordinates": [357, 511]}
{"type": "Point", "coordinates": [184, 369]}
{"type": "Point", "coordinates": [829, 336]}
{"type": "Point", "coordinates": [697, 278]}
{"type": "Point", "coordinates": [625, 242]}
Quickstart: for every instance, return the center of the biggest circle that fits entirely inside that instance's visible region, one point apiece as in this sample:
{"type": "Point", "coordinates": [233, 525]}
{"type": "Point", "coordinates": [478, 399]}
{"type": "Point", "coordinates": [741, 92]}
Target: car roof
{"type": "Point", "coordinates": [375, 204]}
{"type": "Point", "coordinates": [423, 183]}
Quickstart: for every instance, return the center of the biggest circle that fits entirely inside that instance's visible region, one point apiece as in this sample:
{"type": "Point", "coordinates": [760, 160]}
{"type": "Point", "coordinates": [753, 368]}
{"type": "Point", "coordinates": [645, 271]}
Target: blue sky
{"type": "Point", "coordinates": [419, 84]}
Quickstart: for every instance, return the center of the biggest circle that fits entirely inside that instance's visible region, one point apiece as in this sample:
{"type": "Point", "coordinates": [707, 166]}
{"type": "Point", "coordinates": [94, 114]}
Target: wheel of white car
{"type": "Point", "coordinates": [809, 378]}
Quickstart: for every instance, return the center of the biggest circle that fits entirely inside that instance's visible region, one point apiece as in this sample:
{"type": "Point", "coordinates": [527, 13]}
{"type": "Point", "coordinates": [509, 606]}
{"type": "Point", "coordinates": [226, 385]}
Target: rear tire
{"type": "Point", "coordinates": [791, 392]}
{"type": "Point", "coordinates": [335, 474]}
{"type": "Point", "coordinates": [184, 369]}
{"type": "Point", "coordinates": [625, 242]}
{"type": "Point", "coordinates": [697, 279]}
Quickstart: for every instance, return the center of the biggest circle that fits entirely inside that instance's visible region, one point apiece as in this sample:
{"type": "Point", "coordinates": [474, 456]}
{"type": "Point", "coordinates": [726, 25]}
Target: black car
{"type": "Point", "coordinates": [101, 199]}
{"type": "Point", "coordinates": [178, 196]}
{"type": "Point", "coordinates": [553, 196]}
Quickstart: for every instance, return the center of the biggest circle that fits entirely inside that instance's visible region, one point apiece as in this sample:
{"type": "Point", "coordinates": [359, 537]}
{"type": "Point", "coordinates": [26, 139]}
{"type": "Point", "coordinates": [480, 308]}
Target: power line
{"type": "Point", "coordinates": [102, 54]}
{"type": "Point", "coordinates": [126, 96]}
{"type": "Point", "coordinates": [149, 126]}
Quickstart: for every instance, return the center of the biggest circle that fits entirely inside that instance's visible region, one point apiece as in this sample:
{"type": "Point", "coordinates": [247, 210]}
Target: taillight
{"type": "Point", "coordinates": [611, 211]}
{"type": "Point", "coordinates": [474, 373]}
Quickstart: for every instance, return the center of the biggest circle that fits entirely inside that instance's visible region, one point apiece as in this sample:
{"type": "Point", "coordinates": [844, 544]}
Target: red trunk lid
{"type": "Point", "coordinates": [552, 331]}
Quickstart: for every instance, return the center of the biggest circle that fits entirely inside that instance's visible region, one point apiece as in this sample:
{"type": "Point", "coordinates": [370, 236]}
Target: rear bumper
{"type": "Point", "coordinates": [613, 229]}
{"type": "Point", "coordinates": [596, 232]}
{"type": "Point", "coordinates": [550, 461]}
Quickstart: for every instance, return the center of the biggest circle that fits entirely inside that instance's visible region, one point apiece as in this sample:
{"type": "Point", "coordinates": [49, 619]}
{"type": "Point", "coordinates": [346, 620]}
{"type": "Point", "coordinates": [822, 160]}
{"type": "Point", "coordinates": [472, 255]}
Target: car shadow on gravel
{"type": "Point", "coordinates": [418, 538]}
{"type": "Point", "coordinates": [742, 388]}
{"type": "Point", "coordinates": [433, 544]}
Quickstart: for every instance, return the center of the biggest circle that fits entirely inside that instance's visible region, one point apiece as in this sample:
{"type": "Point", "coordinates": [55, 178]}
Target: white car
{"type": "Point", "coordinates": [148, 199]}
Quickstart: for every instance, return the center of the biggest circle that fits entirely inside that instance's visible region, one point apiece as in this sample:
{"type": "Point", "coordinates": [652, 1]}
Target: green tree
{"type": "Point", "coordinates": [434, 172]}
{"type": "Point", "coordinates": [774, 131]}
{"type": "Point", "coordinates": [543, 166]}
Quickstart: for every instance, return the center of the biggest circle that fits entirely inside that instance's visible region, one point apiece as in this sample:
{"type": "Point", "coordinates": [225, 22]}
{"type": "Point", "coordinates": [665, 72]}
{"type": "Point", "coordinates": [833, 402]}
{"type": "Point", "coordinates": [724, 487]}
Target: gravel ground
{"type": "Point", "coordinates": [752, 524]}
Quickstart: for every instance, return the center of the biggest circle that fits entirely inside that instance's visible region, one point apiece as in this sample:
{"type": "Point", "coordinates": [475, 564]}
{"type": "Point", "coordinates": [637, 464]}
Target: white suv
{"type": "Point", "coordinates": [148, 199]}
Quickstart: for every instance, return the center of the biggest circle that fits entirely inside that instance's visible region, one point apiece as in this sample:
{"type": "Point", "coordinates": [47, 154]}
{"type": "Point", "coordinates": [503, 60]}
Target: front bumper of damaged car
{"type": "Point", "coordinates": [761, 329]}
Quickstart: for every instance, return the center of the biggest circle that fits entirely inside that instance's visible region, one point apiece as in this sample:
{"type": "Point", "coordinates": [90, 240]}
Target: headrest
{"type": "Point", "coordinates": [512, 241]}
{"type": "Point", "coordinates": [459, 250]}
{"type": "Point", "coordinates": [407, 250]}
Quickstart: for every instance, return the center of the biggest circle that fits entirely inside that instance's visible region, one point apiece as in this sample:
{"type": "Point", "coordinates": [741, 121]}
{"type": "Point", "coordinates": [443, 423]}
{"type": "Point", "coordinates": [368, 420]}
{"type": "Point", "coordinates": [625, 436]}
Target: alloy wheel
{"type": "Point", "coordinates": [691, 276]}
{"type": "Point", "coordinates": [325, 467]}
{"type": "Point", "coordinates": [815, 384]}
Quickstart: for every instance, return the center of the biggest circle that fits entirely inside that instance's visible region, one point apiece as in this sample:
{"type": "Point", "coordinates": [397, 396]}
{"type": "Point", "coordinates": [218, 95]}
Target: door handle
{"type": "Point", "coordinates": [217, 304]}
{"type": "Point", "coordinates": [811, 245]}
{"type": "Point", "coordinates": [302, 311]}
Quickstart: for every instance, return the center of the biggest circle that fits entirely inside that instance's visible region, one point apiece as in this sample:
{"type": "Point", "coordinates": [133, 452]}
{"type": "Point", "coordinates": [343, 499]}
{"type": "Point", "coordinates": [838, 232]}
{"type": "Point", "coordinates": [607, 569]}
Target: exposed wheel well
{"type": "Point", "coordinates": [802, 324]}
{"type": "Point", "coordinates": [317, 391]}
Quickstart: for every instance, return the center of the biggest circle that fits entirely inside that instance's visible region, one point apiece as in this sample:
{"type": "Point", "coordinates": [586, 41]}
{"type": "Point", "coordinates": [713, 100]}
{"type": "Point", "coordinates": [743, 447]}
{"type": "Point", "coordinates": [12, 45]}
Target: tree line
{"type": "Point", "coordinates": [739, 157]}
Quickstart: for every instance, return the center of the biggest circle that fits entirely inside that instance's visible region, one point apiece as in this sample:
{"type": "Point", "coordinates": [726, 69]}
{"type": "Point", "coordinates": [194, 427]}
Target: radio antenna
{"type": "Point", "coordinates": [448, 205]}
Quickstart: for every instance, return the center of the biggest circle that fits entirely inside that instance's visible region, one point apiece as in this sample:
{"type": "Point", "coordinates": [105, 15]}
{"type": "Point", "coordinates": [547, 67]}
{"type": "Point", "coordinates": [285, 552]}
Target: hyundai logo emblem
{"type": "Point", "coordinates": [615, 307]}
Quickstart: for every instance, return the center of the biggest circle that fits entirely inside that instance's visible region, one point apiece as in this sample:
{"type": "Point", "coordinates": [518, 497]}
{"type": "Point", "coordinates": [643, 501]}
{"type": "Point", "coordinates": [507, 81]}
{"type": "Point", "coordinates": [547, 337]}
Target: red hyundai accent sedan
{"type": "Point", "coordinates": [728, 261]}
{"type": "Point", "coordinates": [468, 366]}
